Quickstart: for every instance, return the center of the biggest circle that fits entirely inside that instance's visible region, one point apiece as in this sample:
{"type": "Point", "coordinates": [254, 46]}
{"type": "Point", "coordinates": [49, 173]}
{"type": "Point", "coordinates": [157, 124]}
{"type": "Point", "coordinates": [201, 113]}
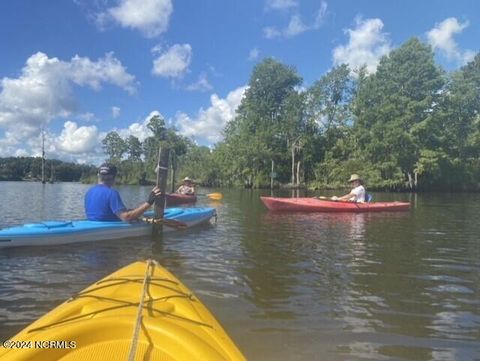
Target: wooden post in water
{"type": "Point", "coordinates": [43, 156]}
{"type": "Point", "coordinates": [271, 174]}
{"type": "Point", "coordinates": [174, 168]}
{"type": "Point", "coordinates": [162, 174]}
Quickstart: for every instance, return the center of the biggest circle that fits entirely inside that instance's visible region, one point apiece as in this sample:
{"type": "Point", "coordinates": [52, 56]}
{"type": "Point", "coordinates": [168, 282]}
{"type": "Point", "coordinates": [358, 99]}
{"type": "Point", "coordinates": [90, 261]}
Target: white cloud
{"type": "Point", "coordinates": [74, 143]}
{"type": "Point", "coordinates": [115, 112]}
{"type": "Point", "coordinates": [207, 126]}
{"type": "Point", "coordinates": [139, 129]}
{"type": "Point", "coordinates": [366, 45]}
{"type": "Point", "coordinates": [296, 25]}
{"type": "Point", "coordinates": [321, 14]}
{"type": "Point", "coordinates": [271, 32]}
{"type": "Point", "coordinates": [174, 62]}
{"type": "Point", "coordinates": [44, 91]}
{"type": "Point", "coordinates": [41, 93]}
{"type": "Point", "coordinates": [21, 153]}
{"type": "Point", "coordinates": [87, 117]}
{"type": "Point", "coordinates": [281, 4]}
{"type": "Point", "coordinates": [83, 71]}
{"type": "Point", "coordinates": [254, 54]}
{"type": "Point", "coordinates": [150, 17]}
{"type": "Point", "coordinates": [77, 140]}
{"type": "Point", "coordinates": [441, 38]}
{"type": "Point", "coordinates": [201, 84]}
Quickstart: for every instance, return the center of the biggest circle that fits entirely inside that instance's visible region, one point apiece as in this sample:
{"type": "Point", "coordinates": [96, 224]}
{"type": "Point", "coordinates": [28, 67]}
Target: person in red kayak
{"type": "Point", "coordinates": [187, 187]}
{"type": "Point", "coordinates": [103, 203]}
{"type": "Point", "coordinates": [357, 194]}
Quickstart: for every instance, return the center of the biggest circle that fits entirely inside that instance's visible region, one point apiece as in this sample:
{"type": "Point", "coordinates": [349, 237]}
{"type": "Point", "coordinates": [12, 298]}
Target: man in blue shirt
{"type": "Point", "coordinates": [103, 203]}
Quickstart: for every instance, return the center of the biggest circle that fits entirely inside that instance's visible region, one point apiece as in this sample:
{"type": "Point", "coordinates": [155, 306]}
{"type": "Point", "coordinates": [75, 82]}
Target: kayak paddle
{"type": "Point", "coordinates": [215, 196]}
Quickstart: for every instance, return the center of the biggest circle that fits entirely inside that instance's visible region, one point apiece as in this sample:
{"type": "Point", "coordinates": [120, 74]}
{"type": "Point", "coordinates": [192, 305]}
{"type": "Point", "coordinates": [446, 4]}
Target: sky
{"type": "Point", "coordinates": [82, 68]}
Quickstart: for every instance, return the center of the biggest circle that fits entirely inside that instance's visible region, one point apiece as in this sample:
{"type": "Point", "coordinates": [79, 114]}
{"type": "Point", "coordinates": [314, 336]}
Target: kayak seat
{"type": "Point", "coordinates": [368, 197]}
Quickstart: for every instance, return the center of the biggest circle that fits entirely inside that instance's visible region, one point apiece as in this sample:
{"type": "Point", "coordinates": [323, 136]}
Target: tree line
{"type": "Point", "coordinates": [411, 125]}
{"type": "Point", "coordinates": [408, 126]}
{"type": "Point", "coordinates": [30, 169]}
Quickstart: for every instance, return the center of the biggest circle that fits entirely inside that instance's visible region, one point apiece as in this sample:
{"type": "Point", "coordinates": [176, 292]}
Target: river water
{"type": "Point", "coordinates": [289, 286]}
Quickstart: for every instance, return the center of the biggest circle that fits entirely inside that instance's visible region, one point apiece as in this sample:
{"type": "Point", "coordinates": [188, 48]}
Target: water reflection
{"type": "Point", "coordinates": [293, 286]}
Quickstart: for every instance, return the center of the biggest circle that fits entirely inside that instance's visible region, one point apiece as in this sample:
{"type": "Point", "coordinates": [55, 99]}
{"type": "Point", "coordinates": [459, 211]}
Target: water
{"type": "Point", "coordinates": [379, 286]}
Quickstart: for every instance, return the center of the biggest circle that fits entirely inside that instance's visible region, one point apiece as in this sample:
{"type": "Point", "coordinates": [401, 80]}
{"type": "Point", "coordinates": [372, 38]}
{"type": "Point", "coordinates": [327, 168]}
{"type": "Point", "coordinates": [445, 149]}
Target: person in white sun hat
{"type": "Point", "coordinates": [187, 187]}
{"type": "Point", "coordinates": [357, 194]}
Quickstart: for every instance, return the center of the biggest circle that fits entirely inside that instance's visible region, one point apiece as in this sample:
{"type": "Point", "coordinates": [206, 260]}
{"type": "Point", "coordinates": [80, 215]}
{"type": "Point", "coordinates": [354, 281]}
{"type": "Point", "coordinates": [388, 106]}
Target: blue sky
{"type": "Point", "coordinates": [81, 68]}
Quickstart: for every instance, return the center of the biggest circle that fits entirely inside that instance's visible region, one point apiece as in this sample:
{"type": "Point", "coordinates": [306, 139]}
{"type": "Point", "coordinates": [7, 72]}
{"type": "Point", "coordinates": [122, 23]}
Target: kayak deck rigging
{"type": "Point", "coordinates": [139, 312]}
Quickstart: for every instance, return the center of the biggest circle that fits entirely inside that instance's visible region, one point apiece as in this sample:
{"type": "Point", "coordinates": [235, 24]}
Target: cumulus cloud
{"type": "Point", "coordinates": [44, 91]}
{"type": "Point", "coordinates": [41, 93]}
{"type": "Point", "coordinates": [207, 126]}
{"type": "Point", "coordinates": [73, 143]}
{"type": "Point", "coordinates": [83, 71]}
{"type": "Point", "coordinates": [150, 17]}
{"type": "Point", "coordinates": [441, 38]}
{"type": "Point", "coordinates": [296, 25]}
{"type": "Point", "coordinates": [366, 45]}
{"type": "Point", "coordinates": [139, 129]}
{"type": "Point", "coordinates": [174, 62]}
{"type": "Point", "coordinates": [77, 140]}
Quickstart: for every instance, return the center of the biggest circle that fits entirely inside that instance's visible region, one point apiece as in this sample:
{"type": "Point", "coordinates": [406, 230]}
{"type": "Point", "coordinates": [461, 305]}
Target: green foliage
{"type": "Point", "coordinates": [409, 125]}
{"type": "Point", "coordinates": [30, 169]}
{"type": "Point", "coordinates": [395, 112]}
{"type": "Point", "coordinates": [114, 146]}
{"type": "Point", "coordinates": [265, 124]}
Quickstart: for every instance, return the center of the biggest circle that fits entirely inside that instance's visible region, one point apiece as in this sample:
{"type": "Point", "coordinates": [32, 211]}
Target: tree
{"type": "Point", "coordinates": [114, 146]}
{"type": "Point", "coordinates": [456, 159]}
{"type": "Point", "coordinates": [134, 148]}
{"type": "Point", "coordinates": [157, 125]}
{"type": "Point", "coordinates": [257, 135]}
{"type": "Point", "coordinates": [395, 112]}
{"type": "Point", "coordinates": [328, 106]}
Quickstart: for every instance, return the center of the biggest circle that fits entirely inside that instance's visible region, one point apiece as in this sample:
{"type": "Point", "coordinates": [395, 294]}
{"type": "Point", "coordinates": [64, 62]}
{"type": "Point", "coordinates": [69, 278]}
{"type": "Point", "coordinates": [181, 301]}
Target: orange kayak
{"type": "Point", "coordinates": [320, 205]}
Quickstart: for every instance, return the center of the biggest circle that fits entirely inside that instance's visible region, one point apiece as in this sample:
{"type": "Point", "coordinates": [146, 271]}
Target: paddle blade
{"type": "Point", "coordinates": [215, 196]}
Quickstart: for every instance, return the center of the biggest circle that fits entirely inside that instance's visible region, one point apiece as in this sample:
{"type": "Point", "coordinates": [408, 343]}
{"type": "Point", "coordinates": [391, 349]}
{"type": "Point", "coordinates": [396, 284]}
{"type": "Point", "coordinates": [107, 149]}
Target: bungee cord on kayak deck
{"type": "Point", "coordinates": [138, 319]}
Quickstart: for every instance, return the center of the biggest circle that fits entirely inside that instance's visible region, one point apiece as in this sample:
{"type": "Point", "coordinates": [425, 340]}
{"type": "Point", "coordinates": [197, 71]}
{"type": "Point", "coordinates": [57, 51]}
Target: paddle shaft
{"type": "Point", "coordinates": [162, 174]}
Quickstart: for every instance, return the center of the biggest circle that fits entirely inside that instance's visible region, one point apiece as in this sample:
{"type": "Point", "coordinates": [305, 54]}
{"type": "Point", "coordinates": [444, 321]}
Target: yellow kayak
{"type": "Point", "coordinates": [140, 312]}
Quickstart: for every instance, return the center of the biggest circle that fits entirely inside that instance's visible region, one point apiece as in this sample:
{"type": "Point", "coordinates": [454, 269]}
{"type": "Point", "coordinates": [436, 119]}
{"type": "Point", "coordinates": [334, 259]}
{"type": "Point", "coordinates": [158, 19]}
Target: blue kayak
{"type": "Point", "coordinates": [63, 232]}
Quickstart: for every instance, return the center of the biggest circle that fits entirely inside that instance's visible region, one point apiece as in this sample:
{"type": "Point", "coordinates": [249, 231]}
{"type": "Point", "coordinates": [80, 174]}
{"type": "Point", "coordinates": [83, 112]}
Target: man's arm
{"type": "Point", "coordinates": [133, 214]}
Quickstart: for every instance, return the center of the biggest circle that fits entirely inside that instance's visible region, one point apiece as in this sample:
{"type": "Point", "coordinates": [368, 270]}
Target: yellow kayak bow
{"type": "Point", "coordinates": [140, 312]}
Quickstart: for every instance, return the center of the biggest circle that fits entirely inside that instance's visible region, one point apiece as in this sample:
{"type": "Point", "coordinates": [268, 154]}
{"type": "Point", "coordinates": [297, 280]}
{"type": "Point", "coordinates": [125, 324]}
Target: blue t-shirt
{"type": "Point", "coordinates": [102, 203]}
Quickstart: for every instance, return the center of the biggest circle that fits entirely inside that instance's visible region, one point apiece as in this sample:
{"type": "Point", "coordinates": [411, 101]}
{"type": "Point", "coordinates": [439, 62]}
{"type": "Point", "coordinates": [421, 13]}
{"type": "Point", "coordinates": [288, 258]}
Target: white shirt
{"type": "Point", "coordinates": [184, 189]}
{"type": "Point", "coordinates": [359, 194]}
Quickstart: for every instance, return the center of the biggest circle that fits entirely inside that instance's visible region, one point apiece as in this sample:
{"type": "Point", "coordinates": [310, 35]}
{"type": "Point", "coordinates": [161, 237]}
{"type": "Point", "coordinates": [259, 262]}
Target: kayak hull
{"type": "Point", "coordinates": [319, 205]}
{"type": "Point", "coordinates": [99, 322]}
{"type": "Point", "coordinates": [174, 199]}
{"type": "Point", "coordinates": [65, 232]}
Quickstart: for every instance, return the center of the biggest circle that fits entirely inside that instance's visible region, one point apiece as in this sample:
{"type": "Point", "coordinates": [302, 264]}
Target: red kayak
{"type": "Point", "coordinates": [174, 199]}
{"type": "Point", "coordinates": [319, 205]}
